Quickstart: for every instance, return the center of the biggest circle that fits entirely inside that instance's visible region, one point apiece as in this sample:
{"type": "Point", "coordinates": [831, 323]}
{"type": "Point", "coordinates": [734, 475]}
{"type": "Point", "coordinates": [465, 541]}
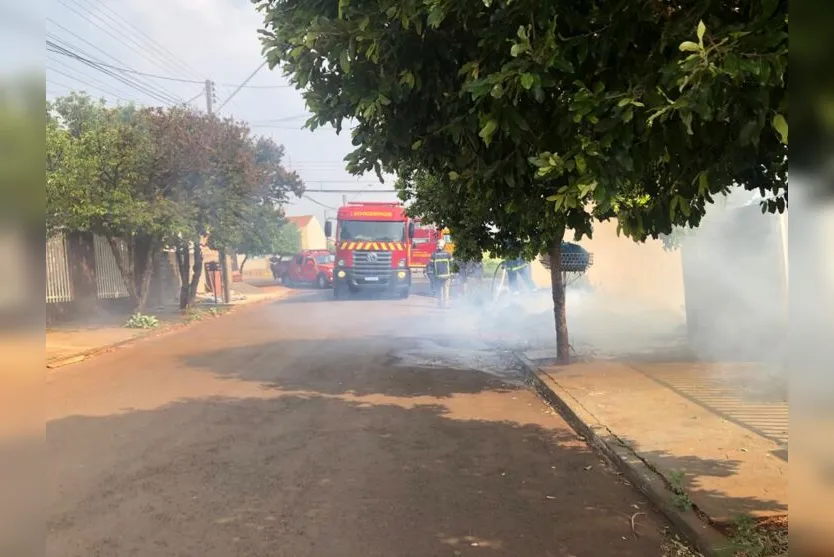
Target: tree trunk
{"type": "Point", "coordinates": [145, 251]}
{"type": "Point", "coordinates": [82, 257]}
{"type": "Point", "coordinates": [197, 271]}
{"type": "Point", "coordinates": [126, 272]}
{"type": "Point", "coordinates": [224, 275]}
{"type": "Point", "coordinates": [183, 265]}
{"type": "Point", "coordinates": [243, 263]}
{"type": "Point", "coordinates": [559, 309]}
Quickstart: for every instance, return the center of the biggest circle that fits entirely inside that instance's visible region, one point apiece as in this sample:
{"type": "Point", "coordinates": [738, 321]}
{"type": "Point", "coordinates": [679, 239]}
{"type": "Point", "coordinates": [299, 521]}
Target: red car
{"type": "Point", "coordinates": [309, 267]}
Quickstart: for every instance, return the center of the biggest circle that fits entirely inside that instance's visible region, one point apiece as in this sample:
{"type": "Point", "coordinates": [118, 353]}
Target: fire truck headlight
{"type": "Point", "coordinates": [401, 264]}
{"type": "Point", "coordinates": [340, 263]}
{"type": "Point", "coordinates": [401, 275]}
{"type": "Point", "coordinates": [340, 274]}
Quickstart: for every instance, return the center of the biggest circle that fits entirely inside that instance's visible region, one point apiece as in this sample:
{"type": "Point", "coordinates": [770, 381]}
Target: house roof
{"type": "Point", "coordinates": [301, 221]}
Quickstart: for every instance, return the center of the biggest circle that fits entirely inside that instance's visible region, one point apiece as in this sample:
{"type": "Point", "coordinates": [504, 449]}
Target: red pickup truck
{"type": "Point", "coordinates": [308, 267]}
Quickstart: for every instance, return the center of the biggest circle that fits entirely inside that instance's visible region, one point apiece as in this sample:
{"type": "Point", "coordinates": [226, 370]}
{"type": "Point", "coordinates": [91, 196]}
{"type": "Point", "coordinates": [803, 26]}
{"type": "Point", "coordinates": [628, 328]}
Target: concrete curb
{"type": "Point", "coordinates": [154, 333]}
{"type": "Point", "coordinates": [706, 539]}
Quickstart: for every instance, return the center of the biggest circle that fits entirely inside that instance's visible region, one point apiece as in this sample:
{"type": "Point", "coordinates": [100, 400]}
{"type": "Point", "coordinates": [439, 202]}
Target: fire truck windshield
{"type": "Point", "coordinates": [371, 231]}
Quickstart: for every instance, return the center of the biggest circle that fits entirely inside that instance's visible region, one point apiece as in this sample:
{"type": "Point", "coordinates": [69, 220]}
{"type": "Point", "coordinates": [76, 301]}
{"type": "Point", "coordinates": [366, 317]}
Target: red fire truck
{"type": "Point", "coordinates": [423, 244]}
{"type": "Point", "coordinates": [372, 245]}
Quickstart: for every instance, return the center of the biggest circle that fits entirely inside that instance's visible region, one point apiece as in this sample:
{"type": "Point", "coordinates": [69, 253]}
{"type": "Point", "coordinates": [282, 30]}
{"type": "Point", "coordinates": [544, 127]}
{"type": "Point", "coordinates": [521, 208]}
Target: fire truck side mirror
{"type": "Point", "coordinates": [411, 229]}
{"type": "Point", "coordinates": [328, 228]}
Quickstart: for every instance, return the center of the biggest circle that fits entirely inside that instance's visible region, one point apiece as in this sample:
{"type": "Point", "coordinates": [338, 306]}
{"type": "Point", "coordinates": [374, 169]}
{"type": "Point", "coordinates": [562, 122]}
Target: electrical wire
{"type": "Point", "coordinates": [195, 97]}
{"type": "Point", "coordinates": [245, 81]}
{"type": "Point", "coordinates": [351, 191]}
{"type": "Point", "coordinates": [124, 69]}
{"type": "Point", "coordinates": [67, 49]}
{"type": "Point", "coordinates": [53, 59]}
{"type": "Point", "coordinates": [152, 42]}
{"type": "Point", "coordinates": [308, 198]}
{"type": "Point", "coordinates": [125, 41]}
{"type": "Point", "coordinates": [149, 89]}
{"type": "Point", "coordinates": [285, 119]}
{"type": "Point", "coordinates": [97, 86]}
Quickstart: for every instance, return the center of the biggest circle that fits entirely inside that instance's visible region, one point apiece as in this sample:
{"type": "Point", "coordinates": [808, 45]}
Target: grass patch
{"type": "Point", "coordinates": [680, 498]}
{"type": "Point", "coordinates": [194, 314]}
{"type": "Point", "coordinates": [767, 538]}
{"type": "Point", "coordinates": [142, 321]}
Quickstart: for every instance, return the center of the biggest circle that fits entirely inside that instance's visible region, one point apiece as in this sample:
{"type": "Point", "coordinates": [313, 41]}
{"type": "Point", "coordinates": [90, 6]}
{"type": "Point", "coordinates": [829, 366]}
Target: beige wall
{"type": "Point", "coordinates": [644, 274]}
{"type": "Point", "coordinates": [312, 236]}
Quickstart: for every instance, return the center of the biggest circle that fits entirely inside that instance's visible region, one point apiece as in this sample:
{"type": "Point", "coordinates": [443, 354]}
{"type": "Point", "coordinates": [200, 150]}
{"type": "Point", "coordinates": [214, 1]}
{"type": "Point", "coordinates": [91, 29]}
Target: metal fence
{"type": "Point", "coordinates": [109, 281]}
{"type": "Point", "coordinates": [58, 282]}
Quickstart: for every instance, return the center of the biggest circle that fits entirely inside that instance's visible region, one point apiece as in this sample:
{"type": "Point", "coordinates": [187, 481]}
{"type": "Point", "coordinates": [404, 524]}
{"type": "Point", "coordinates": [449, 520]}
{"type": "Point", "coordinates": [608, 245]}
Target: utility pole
{"type": "Point", "coordinates": [210, 96]}
{"type": "Point", "coordinates": [221, 253]}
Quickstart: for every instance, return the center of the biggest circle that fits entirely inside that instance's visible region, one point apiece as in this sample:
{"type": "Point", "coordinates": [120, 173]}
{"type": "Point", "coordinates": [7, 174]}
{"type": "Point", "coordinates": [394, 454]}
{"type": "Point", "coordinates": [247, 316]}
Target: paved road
{"type": "Point", "coordinates": [314, 428]}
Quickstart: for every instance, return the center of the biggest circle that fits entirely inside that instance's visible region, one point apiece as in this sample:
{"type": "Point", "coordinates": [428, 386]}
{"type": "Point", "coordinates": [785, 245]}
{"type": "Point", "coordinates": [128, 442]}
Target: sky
{"type": "Point", "coordinates": [196, 40]}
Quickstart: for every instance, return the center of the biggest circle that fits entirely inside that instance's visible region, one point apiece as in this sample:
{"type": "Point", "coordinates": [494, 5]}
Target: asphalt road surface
{"type": "Point", "coordinates": [310, 427]}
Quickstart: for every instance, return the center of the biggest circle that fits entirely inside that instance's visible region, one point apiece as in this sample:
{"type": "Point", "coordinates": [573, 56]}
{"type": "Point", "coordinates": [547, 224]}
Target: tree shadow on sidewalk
{"type": "Point", "coordinates": [692, 473]}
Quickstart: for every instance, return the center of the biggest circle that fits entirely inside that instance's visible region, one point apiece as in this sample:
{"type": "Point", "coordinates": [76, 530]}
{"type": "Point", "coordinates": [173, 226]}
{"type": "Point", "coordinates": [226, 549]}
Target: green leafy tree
{"type": "Point", "coordinates": [98, 160]}
{"type": "Point", "coordinates": [160, 178]}
{"type": "Point", "coordinates": [266, 232]}
{"type": "Point", "coordinates": [288, 241]}
{"type": "Point", "coordinates": [540, 117]}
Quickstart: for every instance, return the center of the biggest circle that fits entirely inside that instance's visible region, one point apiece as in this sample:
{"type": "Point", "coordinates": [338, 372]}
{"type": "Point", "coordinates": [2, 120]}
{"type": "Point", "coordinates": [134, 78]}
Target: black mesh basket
{"type": "Point", "coordinates": [575, 258]}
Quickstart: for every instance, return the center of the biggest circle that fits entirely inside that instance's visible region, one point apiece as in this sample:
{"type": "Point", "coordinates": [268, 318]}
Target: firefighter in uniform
{"type": "Point", "coordinates": [440, 264]}
{"type": "Point", "coordinates": [519, 268]}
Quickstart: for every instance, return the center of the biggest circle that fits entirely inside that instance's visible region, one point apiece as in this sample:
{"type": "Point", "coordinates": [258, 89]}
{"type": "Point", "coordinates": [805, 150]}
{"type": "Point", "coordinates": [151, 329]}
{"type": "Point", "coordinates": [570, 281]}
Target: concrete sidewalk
{"type": "Point", "coordinates": [73, 342]}
{"type": "Point", "coordinates": [716, 433]}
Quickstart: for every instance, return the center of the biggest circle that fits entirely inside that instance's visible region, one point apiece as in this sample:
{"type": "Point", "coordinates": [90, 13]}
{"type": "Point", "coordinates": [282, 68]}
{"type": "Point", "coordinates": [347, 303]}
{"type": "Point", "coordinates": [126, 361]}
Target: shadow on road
{"type": "Point", "coordinates": [362, 366]}
{"type": "Point", "coordinates": [319, 476]}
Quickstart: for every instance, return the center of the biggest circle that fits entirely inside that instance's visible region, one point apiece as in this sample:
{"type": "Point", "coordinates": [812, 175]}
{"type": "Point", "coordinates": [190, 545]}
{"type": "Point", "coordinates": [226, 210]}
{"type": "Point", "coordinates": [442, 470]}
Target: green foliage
{"type": "Point", "coordinates": [536, 116]}
{"type": "Point", "coordinates": [749, 539]}
{"type": "Point", "coordinates": [142, 321]}
{"type": "Point", "coordinates": [216, 311]}
{"type": "Point", "coordinates": [288, 240]}
{"type": "Point", "coordinates": [680, 498]}
{"type": "Point", "coordinates": [163, 177]}
{"type": "Point", "coordinates": [266, 232]}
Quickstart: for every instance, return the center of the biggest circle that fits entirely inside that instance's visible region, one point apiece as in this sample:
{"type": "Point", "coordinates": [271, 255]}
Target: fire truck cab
{"type": "Point", "coordinates": [423, 244]}
{"type": "Point", "coordinates": [372, 249]}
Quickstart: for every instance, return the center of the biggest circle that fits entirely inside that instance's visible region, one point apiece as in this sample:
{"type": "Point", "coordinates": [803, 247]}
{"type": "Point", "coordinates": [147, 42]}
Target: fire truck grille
{"type": "Point", "coordinates": [363, 267]}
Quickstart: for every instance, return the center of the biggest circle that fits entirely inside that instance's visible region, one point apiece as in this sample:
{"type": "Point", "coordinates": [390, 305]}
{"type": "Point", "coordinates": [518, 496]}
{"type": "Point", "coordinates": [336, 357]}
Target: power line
{"type": "Point", "coordinates": [351, 191]}
{"type": "Point", "coordinates": [62, 64]}
{"type": "Point", "coordinates": [123, 40]}
{"type": "Point", "coordinates": [121, 68]}
{"type": "Point", "coordinates": [65, 48]}
{"type": "Point", "coordinates": [285, 119]}
{"type": "Point", "coordinates": [245, 81]}
{"type": "Point", "coordinates": [259, 86]}
{"type": "Point", "coordinates": [197, 96]}
{"type": "Point", "coordinates": [308, 198]}
{"type": "Point", "coordinates": [151, 75]}
{"type": "Point", "coordinates": [98, 86]}
{"type": "Point", "coordinates": [149, 89]}
{"type": "Point", "coordinates": [355, 182]}
{"type": "Point", "coordinates": [151, 41]}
